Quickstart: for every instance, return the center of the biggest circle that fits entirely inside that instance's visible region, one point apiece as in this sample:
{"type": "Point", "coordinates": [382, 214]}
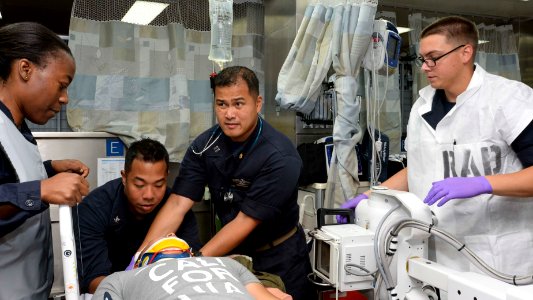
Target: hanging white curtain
{"type": "Point", "coordinates": [152, 80]}
{"type": "Point", "coordinates": [353, 24]}
{"type": "Point", "coordinates": [417, 23]}
{"type": "Point", "coordinates": [309, 59]}
{"type": "Point", "coordinates": [498, 52]}
{"type": "Point", "coordinates": [334, 33]}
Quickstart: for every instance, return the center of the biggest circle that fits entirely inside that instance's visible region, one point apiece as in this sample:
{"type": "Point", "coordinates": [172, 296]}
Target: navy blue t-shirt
{"type": "Point", "coordinates": [258, 177]}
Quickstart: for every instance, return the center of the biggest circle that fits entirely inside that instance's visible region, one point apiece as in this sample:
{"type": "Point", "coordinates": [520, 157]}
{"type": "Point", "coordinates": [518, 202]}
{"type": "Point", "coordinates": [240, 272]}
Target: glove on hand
{"type": "Point", "coordinates": [457, 188]}
{"type": "Point", "coordinates": [132, 262]}
{"type": "Point", "coordinates": [350, 204]}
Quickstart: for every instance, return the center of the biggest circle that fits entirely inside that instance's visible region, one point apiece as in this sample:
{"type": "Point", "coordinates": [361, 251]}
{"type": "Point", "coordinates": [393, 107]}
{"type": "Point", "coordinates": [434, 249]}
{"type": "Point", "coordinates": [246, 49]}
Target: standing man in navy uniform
{"type": "Point", "coordinates": [252, 172]}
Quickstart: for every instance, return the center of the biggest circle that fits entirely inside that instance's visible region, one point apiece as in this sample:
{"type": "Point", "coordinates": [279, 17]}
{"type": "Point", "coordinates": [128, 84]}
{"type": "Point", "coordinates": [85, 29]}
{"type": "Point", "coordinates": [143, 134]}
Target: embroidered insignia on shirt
{"type": "Point", "coordinates": [240, 183]}
{"type": "Point", "coordinates": [116, 219]}
{"type": "Point", "coordinates": [216, 149]}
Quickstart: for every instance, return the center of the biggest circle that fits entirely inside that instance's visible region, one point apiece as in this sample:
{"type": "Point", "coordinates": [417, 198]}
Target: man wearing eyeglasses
{"type": "Point", "coordinates": [470, 152]}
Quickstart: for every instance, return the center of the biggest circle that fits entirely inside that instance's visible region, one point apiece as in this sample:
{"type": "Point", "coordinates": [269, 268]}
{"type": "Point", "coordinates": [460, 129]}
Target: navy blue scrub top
{"type": "Point", "coordinates": [258, 177]}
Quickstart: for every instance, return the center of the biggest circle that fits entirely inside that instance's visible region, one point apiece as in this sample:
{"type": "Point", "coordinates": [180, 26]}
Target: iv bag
{"type": "Point", "coordinates": [221, 17]}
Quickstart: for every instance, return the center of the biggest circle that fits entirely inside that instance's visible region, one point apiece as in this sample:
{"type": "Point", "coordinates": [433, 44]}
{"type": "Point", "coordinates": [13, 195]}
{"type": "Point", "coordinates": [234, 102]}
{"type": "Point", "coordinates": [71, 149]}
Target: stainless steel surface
{"type": "Point", "coordinates": [525, 47]}
{"type": "Point", "coordinates": [84, 146]}
{"type": "Point", "coordinates": [280, 30]}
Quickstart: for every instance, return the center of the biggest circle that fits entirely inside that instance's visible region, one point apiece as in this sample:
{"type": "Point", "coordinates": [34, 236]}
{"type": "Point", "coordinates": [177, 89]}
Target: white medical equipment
{"type": "Point", "coordinates": [383, 52]}
{"type": "Point", "coordinates": [352, 247]}
{"type": "Point", "coordinates": [221, 17]}
{"type": "Point", "coordinates": [397, 224]}
{"type": "Point", "coordinates": [68, 253]}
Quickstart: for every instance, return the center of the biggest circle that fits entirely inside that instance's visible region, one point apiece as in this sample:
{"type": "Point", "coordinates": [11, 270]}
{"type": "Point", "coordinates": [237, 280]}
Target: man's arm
{"type": "Point", "coordinates": [230, 236]}
{"type": "Point", "coordinates": [398, 181]}
{"type": "Point", "coordinates": [111, 288]}
{"type": "Point", "coordinates": [168, 219]}
{"type": "Point", "coordinates": [518, 184]}
{"type": "Point", "coordinates": [95, 283]}
{"type": "Point", "coordinates": [259, 292]}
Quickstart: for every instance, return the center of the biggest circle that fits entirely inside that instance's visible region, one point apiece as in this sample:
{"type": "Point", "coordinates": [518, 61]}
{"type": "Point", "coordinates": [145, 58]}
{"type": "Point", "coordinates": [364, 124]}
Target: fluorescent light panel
{"type": "Point", "coordinates": [403, 29]}
{"type": "Point", "coordinates": [143, 12]}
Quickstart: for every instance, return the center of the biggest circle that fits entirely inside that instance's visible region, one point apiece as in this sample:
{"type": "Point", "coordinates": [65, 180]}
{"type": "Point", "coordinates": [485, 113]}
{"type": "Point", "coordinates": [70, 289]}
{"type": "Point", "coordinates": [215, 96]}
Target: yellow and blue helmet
{"type": "Point", "coordinates": [167, 247]}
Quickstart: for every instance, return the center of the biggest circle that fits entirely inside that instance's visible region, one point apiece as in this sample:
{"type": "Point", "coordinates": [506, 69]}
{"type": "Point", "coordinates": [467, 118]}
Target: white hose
{"type": "Point", "coordinates": [461, 247]}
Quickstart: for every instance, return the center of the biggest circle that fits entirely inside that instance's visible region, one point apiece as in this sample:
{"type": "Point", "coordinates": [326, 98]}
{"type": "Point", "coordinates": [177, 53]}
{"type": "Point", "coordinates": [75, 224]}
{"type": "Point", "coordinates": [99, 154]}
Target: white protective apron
{"type": "Point", "coordinates": [474, 139]}
{"type": "Point", "coordinates": [26, 255]}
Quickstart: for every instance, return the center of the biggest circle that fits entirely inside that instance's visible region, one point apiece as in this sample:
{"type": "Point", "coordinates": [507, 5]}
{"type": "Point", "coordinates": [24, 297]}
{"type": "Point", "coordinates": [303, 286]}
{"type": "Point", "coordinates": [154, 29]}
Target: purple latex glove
{"type": "Point", "coordinates": [132, 262]}
{"type": "Point", "coordinates": [457, 188]}
{"type": "Point", "coordinates": [351, 204]}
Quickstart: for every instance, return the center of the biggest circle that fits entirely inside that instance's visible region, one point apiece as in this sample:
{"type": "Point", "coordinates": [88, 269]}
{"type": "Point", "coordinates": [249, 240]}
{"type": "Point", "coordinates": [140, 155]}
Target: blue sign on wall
{"type": "Point", "coordinates": [114, 147]}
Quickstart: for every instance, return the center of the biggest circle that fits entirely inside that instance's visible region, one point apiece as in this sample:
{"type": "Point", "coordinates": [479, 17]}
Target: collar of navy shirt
{"type": "Point", "coordinates": [242, 149]}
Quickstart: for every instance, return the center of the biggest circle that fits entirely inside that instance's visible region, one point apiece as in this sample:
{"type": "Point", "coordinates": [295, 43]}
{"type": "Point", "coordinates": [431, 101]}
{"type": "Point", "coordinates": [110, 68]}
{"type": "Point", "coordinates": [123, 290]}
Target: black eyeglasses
{"type": "Point", "coordinates": [431, 62]}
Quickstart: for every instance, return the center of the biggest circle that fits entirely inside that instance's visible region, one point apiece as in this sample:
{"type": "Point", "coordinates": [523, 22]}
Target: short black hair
{"type": "Point", "coordinates": [147, 150]}
{"type": "Point", "coordinates": [28, 40]}
{"type": "Point", "coordinates": [230, 75]}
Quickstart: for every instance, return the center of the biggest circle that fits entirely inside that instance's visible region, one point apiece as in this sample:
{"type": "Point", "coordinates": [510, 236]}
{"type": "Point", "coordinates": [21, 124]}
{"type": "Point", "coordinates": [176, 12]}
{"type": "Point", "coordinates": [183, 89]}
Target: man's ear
{"type": "Point", "coordinates": [467, 54]}
{"type": "Point", "coordinates": [123, 175]}
{"type": "Point", "coordinates": [258, 103]}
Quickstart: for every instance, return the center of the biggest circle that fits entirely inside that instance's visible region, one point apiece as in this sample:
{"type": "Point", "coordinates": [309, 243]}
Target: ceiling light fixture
{"type": "Point", "coordinates": [403, 29]}
{"type": "Point", "coordinates": [143, 12]}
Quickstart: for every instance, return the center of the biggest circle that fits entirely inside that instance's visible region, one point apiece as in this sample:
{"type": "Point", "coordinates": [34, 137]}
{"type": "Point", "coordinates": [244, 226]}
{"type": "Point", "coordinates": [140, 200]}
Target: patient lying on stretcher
{"type": "Point", "coordinates": [167, 270]}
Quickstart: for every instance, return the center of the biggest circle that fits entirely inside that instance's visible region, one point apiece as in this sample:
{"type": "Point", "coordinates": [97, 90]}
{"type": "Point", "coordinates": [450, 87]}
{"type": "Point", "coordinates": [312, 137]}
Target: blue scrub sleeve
{"type": "Point", "coordinates": [523, 146]}
{"type": "Point", "coordinates": [27, 197]}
